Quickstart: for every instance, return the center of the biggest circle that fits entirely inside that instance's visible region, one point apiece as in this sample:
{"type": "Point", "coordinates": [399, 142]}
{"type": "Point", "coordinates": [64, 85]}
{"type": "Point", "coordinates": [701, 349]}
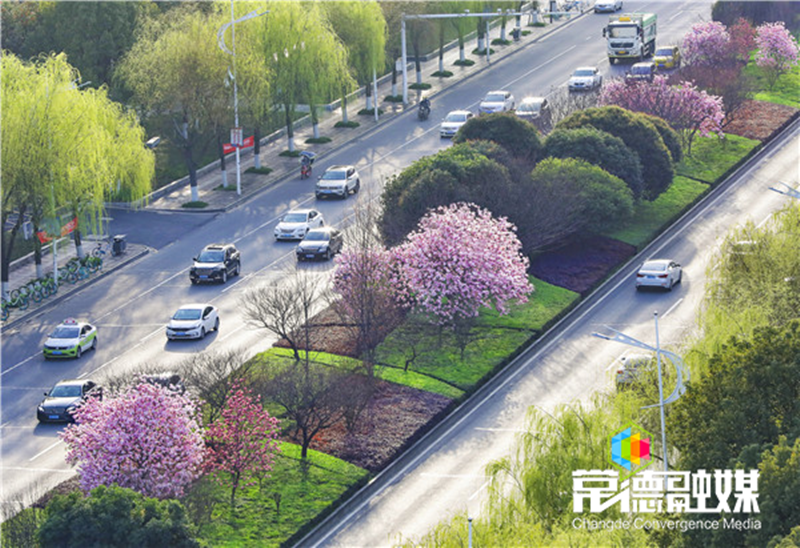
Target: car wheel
{"type": "Point", "coordinates": [194, 282]}
{"type": "Point", "coordinates": [225, 275]}
{"type": "Point", "coordinates": [357, 187]}
{"type": "Point", "coordinates": [216, 324]}
{"type": "Point", "coordinates": [202, 332]}
{"type": "Point", "coordinates": [328, 255]}
{"type": "Point", "coordinates": [78, 352]}
{"type": "Point", "coordinates": [94, 343]}
{"type": "Point", "coordinates": [671, 283]}
{"type": "Point", "coordinates": [238, 268]}
{"type": "Point", "coordinates": [680, 277]}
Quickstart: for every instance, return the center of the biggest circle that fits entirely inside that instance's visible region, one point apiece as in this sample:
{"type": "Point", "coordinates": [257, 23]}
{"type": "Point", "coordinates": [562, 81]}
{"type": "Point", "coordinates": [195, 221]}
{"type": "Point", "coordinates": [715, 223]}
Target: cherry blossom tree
{"type": "Point", "coordinates": [687, 109]}
{"type": "Point", "coordinates": [707, 44]}
{"type": "Point", "coordinates": [743, 39]}
{"type": "Point", "coordinates": [460, 259]}
{"type": "Point", "coordinates": [243, 441]}
{"type": "Point", "coordinates": [147, 439]}
{"type": "Point", "coordinates": [777, 50]}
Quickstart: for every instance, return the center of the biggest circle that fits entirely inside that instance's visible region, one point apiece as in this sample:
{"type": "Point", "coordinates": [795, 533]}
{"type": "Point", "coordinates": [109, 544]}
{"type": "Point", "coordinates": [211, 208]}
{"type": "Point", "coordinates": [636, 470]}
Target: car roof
{"type": "Point", "coordinates": [656, 261]}
{"type": "Point", "coordinates": [586, 68]}
{"type": "Point", "coordinates": [459, 112]}
{"type": "Point", "coordinates": [322, 229]}
{"type": "Point", "coordinates": [217, 246]}
{"type": "Point", "coordinates": [533, 100]}
{"type": "Point", "coordinates": [72, 321]}
{"type": "Point", "coordinates": [194, 305]}
{"type": "Point", "coordinates": [72, 382]}
{"type": "Point", "coordinates": [644, 64]}
{"type": "Point", "coordinates": [338, 168]}
{"type": "Point", "coordinates": [499, 91]}
{"type": "Point", "coordinates": [301, 210]}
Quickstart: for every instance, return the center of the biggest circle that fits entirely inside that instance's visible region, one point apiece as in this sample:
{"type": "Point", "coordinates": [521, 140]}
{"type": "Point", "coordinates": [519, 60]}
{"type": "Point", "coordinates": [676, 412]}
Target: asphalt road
{"type": "Point", "coordinates": [131, 307]}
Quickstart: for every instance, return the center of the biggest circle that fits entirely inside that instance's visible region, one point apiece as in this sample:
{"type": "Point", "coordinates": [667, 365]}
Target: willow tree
{"type": "Point", "coordinates": [361, 26]}
{"type": "Point", "coordinates": [176, 70]}
{"type": "Point", "coordinates": [64, 149]}
{"type": "Point", "coordinates": [292, 39]}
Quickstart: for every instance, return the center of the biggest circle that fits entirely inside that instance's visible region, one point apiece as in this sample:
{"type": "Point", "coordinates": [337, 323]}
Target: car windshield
{"type": "Point", "coordinates": [456, 117]}
{"type": "Point", "coordinates": [655, 267]}
{"type": "Point", "coordinates": [317, 236]}
{"type": "Point", "coordinates": [624, 31]}
{"type": "Point", "coordinates": [664, 52]}
{"type": "Point", "coordinates": [187, 314]}
{"type": "Point", "coordinates": [210, 257]}
{"type": "Point", "coordinates": [495, 98]}
{"type": "Point", "coordinates": [68, 391]}
{"type": "Point", "coordinates": [62, 332]}
{"type": "Point", "coordinates": [529, 107]}
{"type": "Point", "coordinates": [583, 72]}
{"type": "Point", "coordinates": [295, 218]}
{"type": "Point", "coordinates": [337, 175]}
{"type": "Point", "coordinates": [644, 69]}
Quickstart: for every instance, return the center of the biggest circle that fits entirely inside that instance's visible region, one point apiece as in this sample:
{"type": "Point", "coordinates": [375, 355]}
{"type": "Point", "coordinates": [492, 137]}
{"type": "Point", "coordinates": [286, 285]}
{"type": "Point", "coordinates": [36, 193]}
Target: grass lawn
{"type": "Point", "coordinates": [305, 490]}
{"type": "Point", "coordinates": [494, 339]}
{"type": "Point", "coordinates": [785, 90]}
{"type": "Point", "coordinates": [712, 157]}
{"type": "Point", "coordinates": [649, 217]}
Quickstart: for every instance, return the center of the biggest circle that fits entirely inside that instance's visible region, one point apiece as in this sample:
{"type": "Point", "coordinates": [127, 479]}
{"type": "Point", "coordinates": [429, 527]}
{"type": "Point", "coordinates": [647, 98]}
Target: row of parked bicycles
{"type": "Point", "coordinates": [42, 288]}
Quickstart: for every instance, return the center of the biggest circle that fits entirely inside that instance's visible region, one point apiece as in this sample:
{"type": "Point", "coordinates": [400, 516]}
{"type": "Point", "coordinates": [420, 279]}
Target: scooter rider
{"type": "Point", "coordinates": [424, 108]}
{"type": "Point", "coordinates": [305, 166]}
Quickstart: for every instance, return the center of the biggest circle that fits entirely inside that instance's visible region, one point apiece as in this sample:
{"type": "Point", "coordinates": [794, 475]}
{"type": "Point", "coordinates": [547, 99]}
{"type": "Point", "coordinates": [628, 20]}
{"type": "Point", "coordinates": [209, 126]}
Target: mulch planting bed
{"type": "Point", "coordinates": [392, 417]}
{"type": "Point", "coordinates": [759, 119]}
{"type": "Point", "coordinates": [580, 265]}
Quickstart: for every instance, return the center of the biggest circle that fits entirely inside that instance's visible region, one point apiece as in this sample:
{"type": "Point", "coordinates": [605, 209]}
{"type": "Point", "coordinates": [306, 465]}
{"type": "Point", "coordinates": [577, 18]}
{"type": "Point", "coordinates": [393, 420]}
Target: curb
{"type": "Point", "coordinates": [63, 296]}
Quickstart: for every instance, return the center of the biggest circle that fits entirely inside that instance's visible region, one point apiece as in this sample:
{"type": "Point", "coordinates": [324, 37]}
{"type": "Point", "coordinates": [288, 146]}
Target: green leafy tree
{"type": "Point", "coordinates": [65, 149]}
{"type": "Point", "coordinates": [750, 395]}
{"type": "Point", "coordinates": [519, 137]}
{"type": "Point", "coordinates": [599, 148]}
{"type": "Point", "coordinates": [671, 138]}
{"type": "Point", "coordinates": [188, 88]}
{"type": "Point", "coordinates": [638, 134]}
{"type": "Point", "coordinates": [113, 516]}
{"type": "Point", "coordinates": [361, 26]}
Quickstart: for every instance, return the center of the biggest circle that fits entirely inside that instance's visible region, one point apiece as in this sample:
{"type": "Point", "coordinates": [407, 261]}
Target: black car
{"type": "Point", "coordinates": [216, 263]}
{"type": "Point", "coordinates": [63, 398]}
{"type": "Point", "coordinates": [320, 243]}
{"type": "Point", "coordinates": [642, 72]}
{"type": "Point", "coordinates": [169, 380]}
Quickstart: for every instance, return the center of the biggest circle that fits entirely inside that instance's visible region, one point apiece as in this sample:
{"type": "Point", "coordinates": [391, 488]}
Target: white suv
{"type": "Point", "coordinates": [338, 181]}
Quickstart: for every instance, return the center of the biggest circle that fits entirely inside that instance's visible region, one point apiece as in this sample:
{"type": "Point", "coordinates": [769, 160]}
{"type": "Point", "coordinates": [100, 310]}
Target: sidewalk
{"type": "Point", "coordinates": [283, 166]}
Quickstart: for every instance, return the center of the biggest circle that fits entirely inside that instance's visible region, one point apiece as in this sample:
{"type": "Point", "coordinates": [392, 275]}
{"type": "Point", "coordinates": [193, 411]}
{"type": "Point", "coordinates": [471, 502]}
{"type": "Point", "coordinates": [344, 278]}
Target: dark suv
{"type": "Point", "coordinates": [642, 72]}
{"type": "Point", "coordinates": [216, 263]}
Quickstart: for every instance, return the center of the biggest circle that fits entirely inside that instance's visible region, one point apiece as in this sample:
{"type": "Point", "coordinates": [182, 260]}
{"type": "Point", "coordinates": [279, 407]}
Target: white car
{"type": "Point", "coordinates": [295, 224]}
{"type": "Point", "coordinates": [193, 321]}
{"type": "Point", "coordinates": [607, 5]}
{"type": "Point", "coordinates": [453, 122]}
{"type": "Point", "coordinates": [632, 367]}
{"type": "Point", "coordinates": [338, 181]}
{"type": "Point", "coordinates": [662, 273]}
{"type": "Point", "coordinates": [585, 78]}
{"type": "Point", "coordinates": [497, 101]}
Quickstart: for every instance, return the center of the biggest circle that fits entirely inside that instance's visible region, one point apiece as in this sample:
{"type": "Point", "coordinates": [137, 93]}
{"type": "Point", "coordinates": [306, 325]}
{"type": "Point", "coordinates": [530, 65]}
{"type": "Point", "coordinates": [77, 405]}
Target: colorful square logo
{"type": "Point", "coordinates": [630, 449]}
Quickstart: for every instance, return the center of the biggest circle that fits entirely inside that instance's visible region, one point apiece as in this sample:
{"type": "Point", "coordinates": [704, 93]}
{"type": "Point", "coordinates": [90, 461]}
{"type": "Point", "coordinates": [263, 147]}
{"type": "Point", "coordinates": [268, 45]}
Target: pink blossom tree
{"type": "Point", "coordinates": [743, 39]}
{"type": "Point", "coordinates": [243, 441]}
{"type": "Point", "coordinates": [684, 107]}
{"type": "Point", "coordinates": [777, 50]}
{"type": "Point", "coordinates": [460, 259]}
{"type": "Point", "coordinates": [147, 439]}
{"type": "Point", "coordinates": [707, 44]}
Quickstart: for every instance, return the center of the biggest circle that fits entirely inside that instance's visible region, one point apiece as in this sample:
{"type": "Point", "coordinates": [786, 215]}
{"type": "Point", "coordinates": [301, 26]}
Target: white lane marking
{"type": "Point", "coordinates": [673, 307]}
{"type": "Point", "coordinates": [501, 429]}
{"type": "Point", "coordinates": [129, 301]}
{"type": "Point", "coordinates": [109, 362]}
{"type": "Point", "coordinates": [39, 454]}
{"type": "Point", "coordinates": [37, 469]}
{"type": "Point", "coordinates": [481, 488]}
{"type": "Point", "coordinates": [13, 367]}
{"type": "Point", "coordinates": [468, 476]}
{"type": "Point", "coordinates": [764, 221]}
{"type": "Point", "coordinates": [232, 332]}
{"type": "Point", "coordinates": [677, 13]}
{"type": "Point", "coordinates": [130, 325]}
{"type": "Point", "coordinates": [531, 360]}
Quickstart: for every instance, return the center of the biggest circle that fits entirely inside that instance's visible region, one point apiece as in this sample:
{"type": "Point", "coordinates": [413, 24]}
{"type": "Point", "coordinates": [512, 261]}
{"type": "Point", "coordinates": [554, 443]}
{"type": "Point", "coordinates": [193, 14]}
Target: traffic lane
{"type": "Point", "coordinates": [154, 229]}
{"type": "Point", "coordinates": [573, 365]}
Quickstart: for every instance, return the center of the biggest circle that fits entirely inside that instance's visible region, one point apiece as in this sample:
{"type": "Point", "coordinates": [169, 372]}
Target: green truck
{"type": "Point", "coordinates": [630, 36]}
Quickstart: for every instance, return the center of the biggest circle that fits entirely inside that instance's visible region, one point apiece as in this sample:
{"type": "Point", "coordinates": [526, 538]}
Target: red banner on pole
{"type": "Point", "coordinates": [43, 237]}
{"type": "Point", "coordinates": [227, 148]}
{"type": "Point", "coordinates": [69, 227]}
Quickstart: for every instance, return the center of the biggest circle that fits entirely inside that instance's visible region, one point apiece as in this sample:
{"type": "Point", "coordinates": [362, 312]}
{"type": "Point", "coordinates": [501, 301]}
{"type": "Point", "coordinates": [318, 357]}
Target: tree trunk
{"type": "Point", "coordinates": [37, 253]}
{"type": "Point", "coordinates": [344, 109]}
{"type": "Point", "coordinates": [222, 167]}
{"type": "Point", "coordinates": [394, 80]}
{"type": "Point", "coordinates": [234, 487]}
{"type": "Point", "coordinates": [314, 121]}
{"type": "Point", "coordinates": [462, 56]}
{"type": "Point", "coordinates": [289, 126]}
{"type": "Point", "coordinates": [441, 47]}
{"type": "Point", "coordinates": [257, 148]}
{"type": "Point", "coordinates": [189, 160]}
{"type": "Point", "coordinates": [78, 243]}
{"type": "Point", "coordinates": [368, 96]}
{"type": "Point", "coordinates": [8, 245]}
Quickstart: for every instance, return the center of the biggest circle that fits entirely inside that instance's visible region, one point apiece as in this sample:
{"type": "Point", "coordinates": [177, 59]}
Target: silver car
{"type": "Point", "coordinates": [497, 101]}
{"type": "Point", "coordinates": [585, 79]}
{"type": "Point", "coordinates": [193, 321]}
{"type": "Point", "coordinates": [663, 273]}
{"type": "Point", "coordinates": [453, 122]}
{"type": "Point", "coordinates": [339, 181]}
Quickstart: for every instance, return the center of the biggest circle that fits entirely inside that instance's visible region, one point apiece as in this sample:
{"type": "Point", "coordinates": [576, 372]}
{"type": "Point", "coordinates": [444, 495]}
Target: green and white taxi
{"type": "Point", "coordinates": [70, 339]}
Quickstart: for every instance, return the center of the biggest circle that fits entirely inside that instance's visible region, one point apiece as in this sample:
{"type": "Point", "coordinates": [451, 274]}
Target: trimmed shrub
{"type": "Point", "coordinates": [518, 137]}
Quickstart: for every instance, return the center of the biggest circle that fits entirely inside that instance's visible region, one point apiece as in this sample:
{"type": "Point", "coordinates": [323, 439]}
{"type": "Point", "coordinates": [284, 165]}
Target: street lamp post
{"type": "Point", "coordinates": [786, 191]}
{"type": "Point", "coordinates": [680, 368]}
{"type": "Point", "coordinates": [236, 133]}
